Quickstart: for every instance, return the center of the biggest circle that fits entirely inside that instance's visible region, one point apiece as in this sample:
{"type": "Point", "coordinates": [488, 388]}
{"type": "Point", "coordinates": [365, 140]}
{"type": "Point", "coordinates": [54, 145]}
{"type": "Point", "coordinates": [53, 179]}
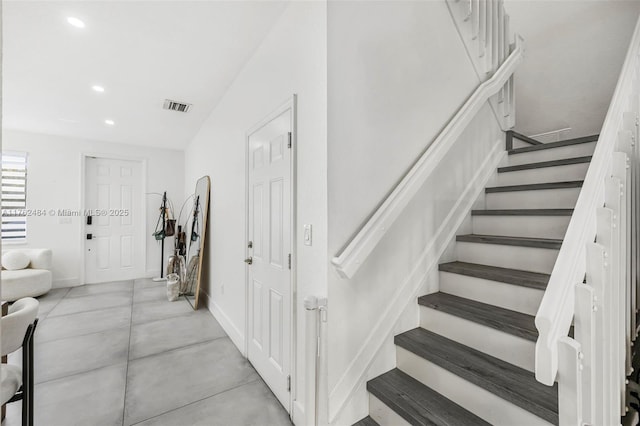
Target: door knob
{"type": "Point", "coordinates": [248, 260]}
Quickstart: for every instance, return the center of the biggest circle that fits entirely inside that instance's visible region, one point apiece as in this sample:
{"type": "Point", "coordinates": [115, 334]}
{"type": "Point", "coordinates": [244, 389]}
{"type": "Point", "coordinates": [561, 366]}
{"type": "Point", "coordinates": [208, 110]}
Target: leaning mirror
{"type": "Point", "coordinates": [196, 236]}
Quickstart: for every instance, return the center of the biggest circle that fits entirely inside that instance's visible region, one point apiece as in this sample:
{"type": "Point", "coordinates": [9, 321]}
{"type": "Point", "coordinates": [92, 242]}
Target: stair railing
{"type": "Point", "coordinates": [484, 28]}
{"type": "Point", "coordinates": [601, 244]}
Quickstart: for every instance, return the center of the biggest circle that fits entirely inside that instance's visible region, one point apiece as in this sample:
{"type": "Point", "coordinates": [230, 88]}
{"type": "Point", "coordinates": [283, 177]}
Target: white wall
{"type": "Point", "coordinates": [292, 59]}
{"type": "Point", "coordinates": [574, 54]}
{"type": "Point", "coordinates": [397, 72]}
{"type": "Point", "coordinates": [54, 182]}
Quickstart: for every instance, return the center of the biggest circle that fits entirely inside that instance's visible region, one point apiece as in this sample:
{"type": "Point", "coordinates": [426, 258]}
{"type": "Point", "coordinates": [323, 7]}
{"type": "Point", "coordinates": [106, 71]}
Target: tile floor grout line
{"type": "Point", "coordinates": [181, 347]}
{"type": "Point", "coordinates": [98, 285]}
{"type": "Point", "coordinates": [86, 312]}
{"type": "Point", "coordinates": [199, 400]}
{"type": "Point", "coordinates": [78, 373]}
{"type": "Point", "coordinates": [126, 373]}
{"type": "Point", "coordinates": [54, 306]}
{"type": "Point", "coordinates": [81, 335]}
{"type": "Point", "coordinates": [171, 316]}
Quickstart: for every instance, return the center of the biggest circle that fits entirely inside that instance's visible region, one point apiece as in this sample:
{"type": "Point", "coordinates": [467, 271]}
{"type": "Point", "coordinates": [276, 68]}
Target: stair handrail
{"type": "Point", "coordinates": [556, 311]}
{"type": "Point", "coordinates": [351, 257]}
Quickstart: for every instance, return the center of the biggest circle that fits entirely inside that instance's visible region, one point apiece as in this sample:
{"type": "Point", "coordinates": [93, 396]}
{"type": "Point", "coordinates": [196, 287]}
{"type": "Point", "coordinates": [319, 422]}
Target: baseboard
{"type": "Point", "coordinates": [66, 282]}
{"type": "Point", "coordinates": [297, 414]}
{"type": "Point", "coordinates": [227, 325]}
{"type": "Point", "coordinates": [358, 371]}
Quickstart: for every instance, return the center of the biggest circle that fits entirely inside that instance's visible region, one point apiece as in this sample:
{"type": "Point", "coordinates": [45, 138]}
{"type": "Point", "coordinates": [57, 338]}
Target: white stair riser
{"type": "Point", "coordinates": [522, 226]}
{"type": "Point", "coordinates": [381, 413]}
{"type": "Point", "coordinates": [475, 399]}
{"type": "Point", "coordinates": [526, 258]}
{"type": "Point", "coordinates": [504, 346]}
{"type": "Point", "coordinates": [562, 198]}
{"type": "Point", "coordinates": [508, 296]}
{"type": "Point", "coordinates": [570, 151]}
{"type": "Point", "coordinates": [544, 174]}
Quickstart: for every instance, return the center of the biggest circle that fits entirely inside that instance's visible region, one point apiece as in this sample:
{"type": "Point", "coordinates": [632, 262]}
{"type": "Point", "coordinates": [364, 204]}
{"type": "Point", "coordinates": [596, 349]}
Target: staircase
{"type": "Point", "coordinates": [471, 361]}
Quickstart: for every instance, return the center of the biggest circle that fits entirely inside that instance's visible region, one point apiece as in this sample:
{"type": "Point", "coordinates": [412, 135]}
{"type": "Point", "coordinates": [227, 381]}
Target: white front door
{"type": "Point", "coordinates": [114, 226]}
{"type": "Point", "coordinates": [269, 274]}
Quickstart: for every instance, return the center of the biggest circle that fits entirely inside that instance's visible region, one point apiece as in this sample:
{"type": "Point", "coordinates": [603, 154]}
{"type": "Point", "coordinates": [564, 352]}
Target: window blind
{"type": "Point", "coordinates": [14, 196]}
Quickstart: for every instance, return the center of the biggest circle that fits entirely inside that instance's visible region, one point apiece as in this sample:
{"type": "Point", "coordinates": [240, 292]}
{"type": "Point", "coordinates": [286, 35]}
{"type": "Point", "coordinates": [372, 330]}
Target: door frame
{"type": "Point", "coordinates": [290, 104]}
{"type": "Point", "coordinates": [83, 188]}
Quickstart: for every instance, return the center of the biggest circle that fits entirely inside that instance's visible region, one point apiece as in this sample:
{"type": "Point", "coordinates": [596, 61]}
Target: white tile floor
{"type": "Point", "coordinates": [121, 354]}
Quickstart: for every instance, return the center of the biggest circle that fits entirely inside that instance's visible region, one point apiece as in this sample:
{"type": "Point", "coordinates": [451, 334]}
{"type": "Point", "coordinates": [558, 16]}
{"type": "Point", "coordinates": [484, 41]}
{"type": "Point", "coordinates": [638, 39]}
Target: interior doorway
{"type": "Point", "coordinates": [270, 259]}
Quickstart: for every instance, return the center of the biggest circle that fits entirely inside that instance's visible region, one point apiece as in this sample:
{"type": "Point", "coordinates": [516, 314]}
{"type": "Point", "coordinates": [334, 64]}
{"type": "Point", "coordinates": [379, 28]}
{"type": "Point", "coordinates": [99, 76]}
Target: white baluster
{"type": "Point", "coordinates": [625, 145]}
{"type": "Point", "coordinates": [475, 22]}
{"type": "Point", "coordinates": [508, 110]}
{"type": "Point", "coordinates": [500, 41]}
{"type": "Point", "coordinates": [616, 345]}
{"type": "Point", "coordinates": [597, 274]}
{"type": "Point", "coordinates": [635, 158]}
{"type": "Point", "coordinates": [569, 382]}
{"type": "Point", "coordinates": [495, 36]}
{"type": "Point", "coordinates": [489, 36]}
{"type": "Point", "coordinates": [606, 218]}
{"type": "Point", "coordinates": [469, 10]}
{"type": "Point", "coordinates": [621, 171]}
{"type": "Point", "coordinates": [584, 332]}
{"type": "Point", "coordinates": [482, 28]}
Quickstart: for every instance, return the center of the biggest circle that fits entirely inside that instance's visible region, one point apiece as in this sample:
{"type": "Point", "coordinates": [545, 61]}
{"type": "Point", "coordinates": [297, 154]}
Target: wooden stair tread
{"type": "Point", "coordinates": [547, 243]}
{"type": "Point", "coordinates": [505, 320]}
{"type": "Point", "coordinates": [367, 421]}
{"type": "Point", "coordinates": [417, 403]}
{"type": "Point", "coordinates": [523, 212]}
{"type": "Point", "coordinates": [534, 186]}
{"type": "Point", "coordinates": [504, 275]}
{"type": "Point", "coordinates": [575, 141]}
{"type": "Point", "coordinates": [505, 380]}
{"type": "Point", "coordinates": [543, 164]}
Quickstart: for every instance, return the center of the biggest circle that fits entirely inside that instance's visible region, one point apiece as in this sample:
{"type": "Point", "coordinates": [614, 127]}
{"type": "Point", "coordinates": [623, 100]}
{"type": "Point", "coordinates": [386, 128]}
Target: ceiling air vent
{"type": "Point", "coordinates": [176, 106]}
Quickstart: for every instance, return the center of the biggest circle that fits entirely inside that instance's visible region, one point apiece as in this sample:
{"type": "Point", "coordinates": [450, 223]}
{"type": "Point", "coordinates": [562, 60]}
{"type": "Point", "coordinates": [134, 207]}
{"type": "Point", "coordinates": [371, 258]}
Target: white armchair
{"type": "Point", "coordinates": [34, 280]}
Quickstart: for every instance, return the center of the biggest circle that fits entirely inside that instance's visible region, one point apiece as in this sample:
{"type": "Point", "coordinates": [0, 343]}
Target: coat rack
{"type": "Point", "coordinates": [162, 219]}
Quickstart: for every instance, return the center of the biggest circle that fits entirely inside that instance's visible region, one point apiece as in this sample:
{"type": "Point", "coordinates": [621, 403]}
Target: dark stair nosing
{"type": "Point", "coordinates": [545, 243]}
{"type": "Point", "coordinates": [505, 320]}
{"type": "Point", "coordinates": [523, 212]}
{"type": "Point", "coordinates": [419, 404]}
{"type": "Point", "coordinates": [523, 138]}
{"type": "Point", "coordinates": [534, 186]}
{"type": "Point", "coordinates": [511, 383]}
{"type": "Point", "coordinates": [575, 141]}
{"type": "Point", "coordinates": [518, 277]}
{"type": "Point", "coordinates": [544, 164]}
{"type": "Point", "coordinates": [367, 421]}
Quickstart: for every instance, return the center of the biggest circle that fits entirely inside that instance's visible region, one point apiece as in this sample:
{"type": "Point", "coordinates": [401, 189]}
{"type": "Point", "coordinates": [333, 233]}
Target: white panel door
{"type": "Point", "coordinates": [115, 236]}
{"type": "Point", "coordinates": [269, 276]}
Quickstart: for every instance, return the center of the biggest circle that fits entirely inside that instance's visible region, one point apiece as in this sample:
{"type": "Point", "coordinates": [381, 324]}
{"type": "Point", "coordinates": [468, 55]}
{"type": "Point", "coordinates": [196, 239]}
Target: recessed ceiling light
{"type": "Point", "coordinates": [98, 88]}
{"type": "Point", "coordinates": [109, 122]}
{"type": "Point", "coordinates": [75, 22]}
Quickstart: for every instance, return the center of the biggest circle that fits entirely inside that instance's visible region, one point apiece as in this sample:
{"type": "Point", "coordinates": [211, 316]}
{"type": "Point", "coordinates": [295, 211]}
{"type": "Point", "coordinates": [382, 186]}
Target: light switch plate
{"type": "Point", "coordinates": [307, 235]}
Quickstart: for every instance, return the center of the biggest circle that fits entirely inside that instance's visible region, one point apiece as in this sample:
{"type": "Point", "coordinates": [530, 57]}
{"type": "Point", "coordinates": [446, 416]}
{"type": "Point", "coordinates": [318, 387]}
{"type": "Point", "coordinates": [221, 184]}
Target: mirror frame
{"type": "Point", "coordinates": [204, 206]}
